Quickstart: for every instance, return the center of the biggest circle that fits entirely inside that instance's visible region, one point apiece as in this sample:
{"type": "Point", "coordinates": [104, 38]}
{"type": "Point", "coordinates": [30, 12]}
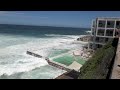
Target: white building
{"type": "Point", "coordinates": [103, 30]}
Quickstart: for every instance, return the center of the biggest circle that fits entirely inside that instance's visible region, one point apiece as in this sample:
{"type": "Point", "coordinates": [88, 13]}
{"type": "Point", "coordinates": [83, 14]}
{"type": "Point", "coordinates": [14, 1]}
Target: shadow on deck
{"type": "Point", "coordinates": [69, 75]}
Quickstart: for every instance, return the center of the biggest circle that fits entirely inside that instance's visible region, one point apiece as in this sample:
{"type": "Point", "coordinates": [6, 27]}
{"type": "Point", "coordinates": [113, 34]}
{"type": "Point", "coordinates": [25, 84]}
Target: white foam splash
{"type": "Point", "coordinates": [22, 65]}
{"type": "Point", "coordinates": [21, 62]}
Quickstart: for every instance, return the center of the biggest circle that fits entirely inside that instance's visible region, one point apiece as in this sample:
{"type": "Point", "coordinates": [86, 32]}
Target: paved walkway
{"type": "Point", "coordinates": [116, 67]}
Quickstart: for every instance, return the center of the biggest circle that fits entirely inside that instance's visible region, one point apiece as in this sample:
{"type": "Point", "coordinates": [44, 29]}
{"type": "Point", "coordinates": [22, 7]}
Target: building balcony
{"type": "Point", "coordinates": [101, 32]}
{"type": "Point", "coordinates": [118, 24]}
{"type": "Point", "coordinates": [101, 23]}
{"type": "Point", "coordinates": [109, 32]}
{"type": "Point", "coordinates": [110, 24]}
{"type": "Point", "coordinates": [100, 40]}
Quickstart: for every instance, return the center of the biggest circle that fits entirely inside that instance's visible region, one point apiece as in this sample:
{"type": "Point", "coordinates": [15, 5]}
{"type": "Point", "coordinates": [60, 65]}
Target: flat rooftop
{"type": "Point", "coordinates": [109, 18]}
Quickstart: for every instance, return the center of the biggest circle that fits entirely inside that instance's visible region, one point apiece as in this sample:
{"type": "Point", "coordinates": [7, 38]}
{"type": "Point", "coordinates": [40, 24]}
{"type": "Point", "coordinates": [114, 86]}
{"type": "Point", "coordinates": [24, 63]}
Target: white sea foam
{"type": "Point", "coordinates": [13, 57]}
{"type": "Point", "coordinates": [88, 31]}
{"type": "Point", "coordinates": [22, 65]}
{"type": "Point", "coordinates": [63, 36]}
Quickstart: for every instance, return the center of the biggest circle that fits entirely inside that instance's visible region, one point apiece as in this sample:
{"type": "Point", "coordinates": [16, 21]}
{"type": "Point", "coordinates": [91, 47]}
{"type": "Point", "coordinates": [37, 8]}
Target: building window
{"type": "Point", "coordinates": [101, 23]}
{"type": "Point", "coordinates": [110, 24]}
{"type": "Point", "coordinates": [109, 32]}
{"type": "Point", "coordinates": [99, 39]}
{"type": "Point", "coordinates": [101, 32]}
{"type": "Point", "coordinates": [118, 24]}
{"type": "Point", "coordinates": [93, 31]}
{"type": "Point", "coordinates": [99, 46]}
{"type": "Point", "coordinates": [106, 39]}
{"type": "Point", "coordinates": [94, 23]}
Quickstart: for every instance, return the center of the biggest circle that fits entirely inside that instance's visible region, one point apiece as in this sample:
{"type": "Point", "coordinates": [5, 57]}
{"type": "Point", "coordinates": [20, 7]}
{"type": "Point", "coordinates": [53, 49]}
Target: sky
{"type": "Point", "coordinates": [54, 18]}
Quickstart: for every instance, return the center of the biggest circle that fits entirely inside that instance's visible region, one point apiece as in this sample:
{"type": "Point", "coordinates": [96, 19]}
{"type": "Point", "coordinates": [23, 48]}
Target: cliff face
{"type": "Point", "coordinates": [99, 65]}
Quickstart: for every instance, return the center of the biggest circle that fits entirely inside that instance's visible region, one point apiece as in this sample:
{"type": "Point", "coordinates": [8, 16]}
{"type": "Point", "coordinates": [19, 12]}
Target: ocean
{"type": "Point", "coordinates": [15, 40]}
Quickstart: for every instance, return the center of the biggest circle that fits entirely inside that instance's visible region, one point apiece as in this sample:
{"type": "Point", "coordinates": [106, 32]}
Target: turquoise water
{"type": "Point", "coordinates": [16, 40]}
{"type": "Point", "coordinates": [57, 52]}
{"type": "Point", "coordinates": [68, 59]}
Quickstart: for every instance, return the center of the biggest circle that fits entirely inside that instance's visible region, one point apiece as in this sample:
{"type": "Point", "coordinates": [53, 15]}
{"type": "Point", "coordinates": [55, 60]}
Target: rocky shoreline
{"type": "Point", "coordinates": [84, 53]}
{"type": "Point", "coordinates": [85, 38]}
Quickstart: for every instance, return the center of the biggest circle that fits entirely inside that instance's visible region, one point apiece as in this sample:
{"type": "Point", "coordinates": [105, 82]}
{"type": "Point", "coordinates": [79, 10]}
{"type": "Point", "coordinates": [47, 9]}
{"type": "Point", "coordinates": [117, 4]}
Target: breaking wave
{"type": "Point", "coordinates": [13, 57]}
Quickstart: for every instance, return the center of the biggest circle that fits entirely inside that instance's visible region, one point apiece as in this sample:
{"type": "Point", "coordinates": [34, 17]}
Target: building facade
{"type": "Point", "coordinates": [103, 30]}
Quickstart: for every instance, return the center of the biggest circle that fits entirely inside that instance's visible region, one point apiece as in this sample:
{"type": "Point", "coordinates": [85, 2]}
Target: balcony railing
{"type": "Point", "coordinates": [100, 34]}
{"type": "Point", "coordinates": [109, 34]}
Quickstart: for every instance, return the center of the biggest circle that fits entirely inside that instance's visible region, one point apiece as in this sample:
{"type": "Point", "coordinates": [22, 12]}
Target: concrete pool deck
{"type": "Point", "coordinates": [75, 65]}
{"type": "Point", "coordinates": [70, 61]}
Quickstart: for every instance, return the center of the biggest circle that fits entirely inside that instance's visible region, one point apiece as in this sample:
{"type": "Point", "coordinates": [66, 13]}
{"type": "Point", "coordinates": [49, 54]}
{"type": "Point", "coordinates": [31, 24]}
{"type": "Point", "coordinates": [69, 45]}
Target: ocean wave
{"type": "Point", "coordinates": [58, 35]}
{"type": "Point", "coordinates": [53, 35]}
{"type": "Point", "coordinates": [88, 31]}
{"type": "Point", "coordinates": [15, 60]}
{"type": "Point", "coordinates": [25, 66]}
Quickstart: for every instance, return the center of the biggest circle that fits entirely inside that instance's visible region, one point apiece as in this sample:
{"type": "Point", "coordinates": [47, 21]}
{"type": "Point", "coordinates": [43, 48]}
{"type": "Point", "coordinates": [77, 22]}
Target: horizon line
{"type": "Point", "coordinates": [43, 25]}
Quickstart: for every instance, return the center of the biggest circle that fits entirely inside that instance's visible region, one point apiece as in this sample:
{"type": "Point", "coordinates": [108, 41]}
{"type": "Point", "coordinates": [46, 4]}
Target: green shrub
{"type": "Point", "coordinates": [97, 67]}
